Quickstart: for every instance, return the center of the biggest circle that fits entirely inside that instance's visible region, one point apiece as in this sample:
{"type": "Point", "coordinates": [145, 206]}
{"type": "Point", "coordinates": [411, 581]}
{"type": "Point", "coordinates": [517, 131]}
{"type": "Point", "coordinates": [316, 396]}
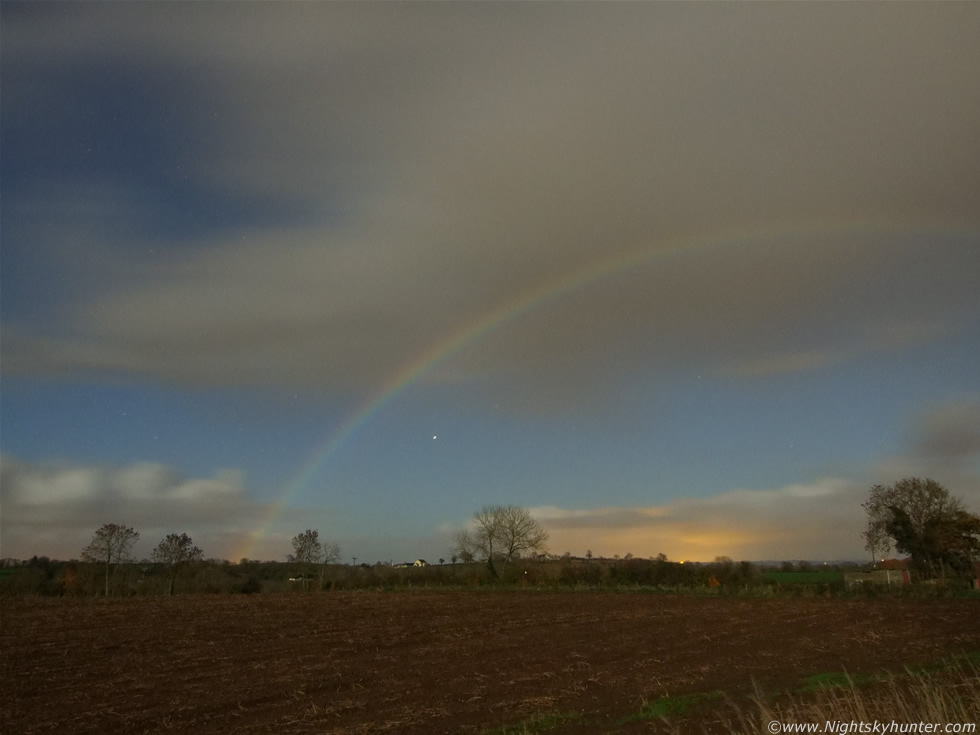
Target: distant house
{"type": "Point", "coordinates": [411, 564]}
{"type": "Point", "coordinates": [893, 564]}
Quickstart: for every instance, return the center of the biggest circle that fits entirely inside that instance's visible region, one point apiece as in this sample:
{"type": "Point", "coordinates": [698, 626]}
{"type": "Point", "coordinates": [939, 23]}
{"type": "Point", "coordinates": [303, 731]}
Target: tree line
{"type": "Point", "coordinates": [501, 533]}
{"type": "Point", "coordinates": [916, 517]}
{"type": "Point", "coordinates": [112, 545]}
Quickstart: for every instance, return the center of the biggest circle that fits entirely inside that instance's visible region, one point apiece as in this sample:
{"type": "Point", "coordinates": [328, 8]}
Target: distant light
{"type": "Point", "coordinates": [435, 437]}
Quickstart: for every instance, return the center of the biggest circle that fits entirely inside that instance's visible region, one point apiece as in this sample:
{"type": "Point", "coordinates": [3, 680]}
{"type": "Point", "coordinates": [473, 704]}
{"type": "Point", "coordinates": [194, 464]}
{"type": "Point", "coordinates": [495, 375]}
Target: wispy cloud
{"type": "Point", "coordinates": [820, 520]}
{"type": "Point", "coordinates": [792, 362]}
{"type": "Point", "coordinates": [879, 334]}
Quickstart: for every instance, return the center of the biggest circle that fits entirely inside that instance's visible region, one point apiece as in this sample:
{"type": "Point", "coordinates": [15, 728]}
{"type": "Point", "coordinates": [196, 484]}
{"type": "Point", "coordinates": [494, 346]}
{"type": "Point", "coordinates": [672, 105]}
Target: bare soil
{"type": "Point", "coordinates": [432, 662]}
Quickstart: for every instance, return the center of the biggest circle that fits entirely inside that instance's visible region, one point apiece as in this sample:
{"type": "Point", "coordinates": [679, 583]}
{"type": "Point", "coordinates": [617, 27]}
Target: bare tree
{"type": "Point", "coordinates": [176, 552]}
{"type": "Point", "coordinates": [111, 545]}
{"type": "Point", "coordinates": [500, 532]}
{"type": "Point", "coordinates": [331, 555]}
{"type": "Point", "coordinates": [464, 546]}
{"type": "Point", "coordinates": [308, 552]}
{"type": "Point", "coordinates": [520, 532]}
{"type": "Point", "coordinates": [876, 540]}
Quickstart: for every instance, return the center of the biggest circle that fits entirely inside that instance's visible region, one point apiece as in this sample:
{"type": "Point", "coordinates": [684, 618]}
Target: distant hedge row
{"type": "Point", "coordinates": [46, 577]}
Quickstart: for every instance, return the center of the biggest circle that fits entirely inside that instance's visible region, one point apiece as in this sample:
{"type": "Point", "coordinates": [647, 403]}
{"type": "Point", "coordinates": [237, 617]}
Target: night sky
{"type": "Point", "coordinates": [679, 278]}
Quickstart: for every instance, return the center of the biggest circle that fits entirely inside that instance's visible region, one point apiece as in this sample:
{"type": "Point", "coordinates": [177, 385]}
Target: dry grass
{"type": "Point", "coordinates": [945, 695]}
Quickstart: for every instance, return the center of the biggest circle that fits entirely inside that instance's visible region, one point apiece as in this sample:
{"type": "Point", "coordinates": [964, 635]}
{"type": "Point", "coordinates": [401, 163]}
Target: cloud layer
{"type": "Point", "coordinates": [782, 204]}
{"type": "Point", "coordinates": [53, 509]}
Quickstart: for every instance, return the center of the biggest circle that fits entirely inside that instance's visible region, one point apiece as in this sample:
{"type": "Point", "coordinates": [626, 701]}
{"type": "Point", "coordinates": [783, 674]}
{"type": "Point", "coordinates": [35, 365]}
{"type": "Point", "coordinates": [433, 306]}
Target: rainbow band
{"type": "Point", "coordinates": [509, 310]}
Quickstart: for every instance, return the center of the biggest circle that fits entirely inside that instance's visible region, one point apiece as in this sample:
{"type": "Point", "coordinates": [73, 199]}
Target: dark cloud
{"type": "Point", "coordinates": [951, 432]}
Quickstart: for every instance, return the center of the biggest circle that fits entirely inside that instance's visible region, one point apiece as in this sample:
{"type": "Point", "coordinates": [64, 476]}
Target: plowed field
{"type": "Point", "coordinates": [430, 662]}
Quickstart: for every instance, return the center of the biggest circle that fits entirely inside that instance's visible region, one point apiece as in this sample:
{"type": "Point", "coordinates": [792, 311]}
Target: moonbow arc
{"type": "Point", "coordinates": [549, 289]}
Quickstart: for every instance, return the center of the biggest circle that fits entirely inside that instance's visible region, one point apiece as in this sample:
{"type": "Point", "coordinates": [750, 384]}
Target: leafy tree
{"type": "Point", "coordinates": [920, 500]}
{"type": "Point", "coordinates": [959, 539]}
{"type": "Point", "coordinates": [501, 532]}
{"type": "Point", "coordinates": [945, 542]}
{"type": "Point", "coordinates": [922, 519]}
{"type": "Point", "coordinates": [307, 552]}
{"type": "Point", "coordinates": [111, 545]}
{"type": "Point", "coordinates": [176, 552]}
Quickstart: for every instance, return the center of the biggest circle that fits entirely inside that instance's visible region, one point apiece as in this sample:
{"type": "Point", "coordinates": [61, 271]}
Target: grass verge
{"type": "Point", "coordinates": [667, 707]}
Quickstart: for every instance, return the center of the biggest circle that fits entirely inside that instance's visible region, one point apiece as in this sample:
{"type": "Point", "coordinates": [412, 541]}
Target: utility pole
{"type": "Point", "coordinates": [355, 561]}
